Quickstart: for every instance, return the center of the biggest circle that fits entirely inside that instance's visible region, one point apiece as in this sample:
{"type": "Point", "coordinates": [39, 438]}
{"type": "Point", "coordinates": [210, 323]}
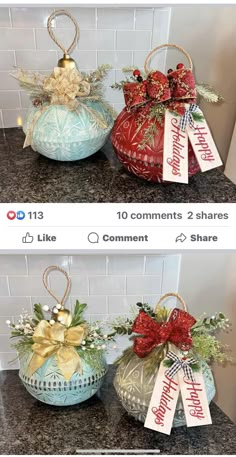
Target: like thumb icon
{"type": "Point", "coordinates": [27, 238]}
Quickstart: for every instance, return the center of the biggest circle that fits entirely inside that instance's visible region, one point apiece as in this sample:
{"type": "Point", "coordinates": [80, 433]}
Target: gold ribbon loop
{"type": "Point", "coordinates": [61, 341]}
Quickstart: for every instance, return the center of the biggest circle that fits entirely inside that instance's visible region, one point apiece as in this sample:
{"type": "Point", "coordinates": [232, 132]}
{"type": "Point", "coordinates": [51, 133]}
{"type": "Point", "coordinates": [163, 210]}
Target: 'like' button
{"type": "Point", "coordinates": [27, 238]}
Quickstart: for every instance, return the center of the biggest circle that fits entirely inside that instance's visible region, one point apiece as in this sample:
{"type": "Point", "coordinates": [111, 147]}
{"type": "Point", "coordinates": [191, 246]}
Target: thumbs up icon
{"type": "Point", "coordinates": [27, 238]}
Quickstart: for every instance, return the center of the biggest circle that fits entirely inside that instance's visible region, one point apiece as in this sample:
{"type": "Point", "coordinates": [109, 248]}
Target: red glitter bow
{"type": "Point", "coordinates": [176, 330]}
{"type": "Point", "coordinates": [177, 85]}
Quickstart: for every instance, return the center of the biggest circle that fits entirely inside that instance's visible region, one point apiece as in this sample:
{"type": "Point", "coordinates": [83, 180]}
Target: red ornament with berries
{"type": "Point", "coordinates": [138, 134]}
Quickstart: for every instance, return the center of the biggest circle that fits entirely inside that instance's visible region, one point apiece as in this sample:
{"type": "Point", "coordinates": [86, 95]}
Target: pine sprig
{"type": "Point", "coordinates": [198, 117]}
{"type": "Point", "coordinates": [38, 313]}
{"type": "Point", "coordinates": [208, 93]}
{"type": "Point", "coordinates": [77, 318]}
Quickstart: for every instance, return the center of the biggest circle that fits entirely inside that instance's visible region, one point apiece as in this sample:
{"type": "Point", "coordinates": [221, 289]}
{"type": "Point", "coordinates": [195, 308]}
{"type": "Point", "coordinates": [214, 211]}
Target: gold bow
{"type": "Point", "coordinates": [61, 341]}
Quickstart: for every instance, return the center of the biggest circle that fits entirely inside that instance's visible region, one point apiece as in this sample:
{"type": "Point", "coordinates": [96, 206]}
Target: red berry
{"type": "Point", "coordinates": [184, 358]}
{"type": "Point", "coordinates": [180, 66]}
{"type": "Point", "coordinates": [136, 73]}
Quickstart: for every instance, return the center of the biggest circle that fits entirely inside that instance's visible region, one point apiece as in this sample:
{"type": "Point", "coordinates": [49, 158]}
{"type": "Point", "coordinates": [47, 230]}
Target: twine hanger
{"type": "Point", "coordinates": [167, 45]}
{"type": "Point", "coordinates": [66, 61]}
{"type": "Point", "coordinates": [171, 294]}
{"type": "Point", "coordinates": [68, 284]}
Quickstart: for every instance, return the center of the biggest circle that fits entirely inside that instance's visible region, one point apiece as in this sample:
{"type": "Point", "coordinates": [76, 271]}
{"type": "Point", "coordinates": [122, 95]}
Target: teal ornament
{"type": "Point", "coordinates": [48, 385]}
{"type": "Point", "coordinates": [66, 135]}
{"type": "Point", "coordinates": [134, 387]}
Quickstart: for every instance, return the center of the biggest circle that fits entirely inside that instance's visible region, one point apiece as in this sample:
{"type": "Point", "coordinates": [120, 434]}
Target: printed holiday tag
{"type": "Point", "coordinates": [203, 144]}
{"type": "Point", "coordinates": [175, 154]}
{"type": "Point", "coordinates": [194, 399]}
{"type": "Point", "coordinates": [162, 406]}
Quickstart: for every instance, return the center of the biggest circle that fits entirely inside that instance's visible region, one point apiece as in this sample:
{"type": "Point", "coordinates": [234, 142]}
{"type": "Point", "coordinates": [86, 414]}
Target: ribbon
{"type": "Point", "coordinates": [60, 341]}
{"type": "Point", "coordinates": [180, 364]}
{"type": "Point", "coordinates": [176, 330]}
{"type": "Point", "coordinates": [187, 118]}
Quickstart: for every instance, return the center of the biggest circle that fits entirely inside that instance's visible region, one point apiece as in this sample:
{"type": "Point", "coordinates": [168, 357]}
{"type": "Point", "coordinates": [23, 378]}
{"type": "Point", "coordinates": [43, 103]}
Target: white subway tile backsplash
{"type": "Point", "coordinates": [22, 286]}
{"type": "Point", "coordinates": [35, 60]}
{"type": "Point", "coordinates": [7, 82]}
{"type": "Point", "coordinates": [4, 291]}
{"type": "Point", "coordinates": [37, 264]}
{"type": "Point", "coordinates": [7, 60]}
{"type": "Point", "coordinates": [118, 18]}
{"type": "Point", "coordinates": [79, 284]}
{"type": "Point", "coordinates": [5, 17]}
{"type": "Point", "coordinates": [143, 285]}
{"type": "Point", "coordinates": [5, 344]}
{"type": "Point", "coordinates": [86, 60]}
{"type": "Point", "coordinates": [120, 305]}
{"type": "Point", "coordinates": [16, 38]}
{"type": "Point", "coordinates": [97, 39]}
{"type": "Point", "coordinates": [13, 265]}
{"type": "Point", "coordinates": [30, 17]}
{"type": "Point", "coordinates": [96, 304]}
{"type": "Point", "coordinates": [138, 40]}
{"type": "Point", "coordinates": [9, 100]}
{"type": "Point", "coordinates": [87, 264]}
{"type": "Point", "coordinates": [112, 284]}
{"type": "Point", "coordinates": [13, 305]}
{"type": "Point", "coordinates": [144, 18]}
{"type": "Point", "coordinates": [154, 264]}
{"type": "Point", "coordinates": [24, 99]}
{"type": "Point", "coordinates": [119, 36]}
{"type": "Point", "coordinates": [8, 361]}
{"type": "Point", "coordinates": [11, 117]}
{"type": "Point", "coordinates": [86, 18]}
{"type": "Point", "coordinates": [125, 264]}
{"type": "Point", "coordinates": [171, 273]}
{"type": "Point", "coordinates": [118, 59]}
{"type": "Point", "coordinates": [4, 329]}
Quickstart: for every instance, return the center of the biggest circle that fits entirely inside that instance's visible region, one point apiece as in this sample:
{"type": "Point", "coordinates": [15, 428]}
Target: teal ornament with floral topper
{"type": "Point", "coordinates": [62, 359]}
{"type": "Point", "coordinates": [69, 119]}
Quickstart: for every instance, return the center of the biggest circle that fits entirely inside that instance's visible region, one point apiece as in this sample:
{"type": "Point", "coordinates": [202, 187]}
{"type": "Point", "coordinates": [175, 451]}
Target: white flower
{"type": "Point", "coordinates": [84, 342]}
{"type": "Point", "coordinates": [58, 306]}
{"type": "Point", "coordinates": [52, 322]}
{"type": "Point", "coordinates": [105, 337]}
{"type": "Point", "coordinates": [92, 346]}
{"type": "Point", "coordinates": [55, 310]}
{"type": "Point", "coordinates": [17, 327]}
{"type": "Point", "coordinates": [84, 349]}
{"type": "Point", "coordinates": [8, 322]}
{"type": "Point", "coordinates": [46, 308]}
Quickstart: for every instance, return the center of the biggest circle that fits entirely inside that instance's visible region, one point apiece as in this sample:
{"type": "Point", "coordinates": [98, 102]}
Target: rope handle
{"type": "Point", "coordinates": [45, 283]}
{"type": "Point", "coordinates": [51, 33]}
{"type": "Point", "coordinates": [167, 45]}
{"type": "Point", "coordinates": [171, 294]}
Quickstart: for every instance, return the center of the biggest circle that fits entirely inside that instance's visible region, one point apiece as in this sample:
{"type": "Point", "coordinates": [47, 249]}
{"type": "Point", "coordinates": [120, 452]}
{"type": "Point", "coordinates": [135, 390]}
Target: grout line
{"type": "Point", "coordinates": [134, 20]}
{"type": "Point", "coordinates": [8, 286]}
{"type": "Point", "coordinates": [88, 285]}
{"type": "Point", "coordinates": [144, 264]}
{"type": "Point", "coordinates": [107, 265]}
{"type": "Point", "coordinates": [162, 274]}
{"type": "Point", "coordinates": [34, 34]}
{"type": "Point", "coordinates": [27, 265]}
{"type": "Point", "coordinates": [10, 17]}
{"type": "Point", "coordinates": [96, 19]}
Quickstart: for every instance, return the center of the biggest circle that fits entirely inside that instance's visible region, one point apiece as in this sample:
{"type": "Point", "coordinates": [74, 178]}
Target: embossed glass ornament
{"type": "Point", "coordinates": [136, 375]}
{"type": "Point", "coordinates": [62, 359]}
{"type": "Point", "coordinates": [157, 147]}
{"type": "Point", "coordinates": [69, 119]}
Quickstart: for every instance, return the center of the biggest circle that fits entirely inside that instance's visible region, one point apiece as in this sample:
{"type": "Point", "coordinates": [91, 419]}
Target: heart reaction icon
{"type": "Point", "coordinates": [11, 215]}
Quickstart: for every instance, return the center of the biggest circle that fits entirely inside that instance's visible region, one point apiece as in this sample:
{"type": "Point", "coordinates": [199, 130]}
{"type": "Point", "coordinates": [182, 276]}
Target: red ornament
{"type": "Point", "coordinates": [176, 330]}
{"type": "Point", "coordinates": [179, 66]}
{"type": "Point", "coordinates": [136, 73]}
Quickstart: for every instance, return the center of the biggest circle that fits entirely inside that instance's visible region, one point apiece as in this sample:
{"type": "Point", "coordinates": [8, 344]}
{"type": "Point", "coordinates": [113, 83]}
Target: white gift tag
{"type": "Point", "coordinates": [162, 406]}
{"type": "Point", "coordinates": [203, 145]}
{"type": "Point", "coordinates": [194, 400]}
{"type": "Point", "coordinates": [175, 153]}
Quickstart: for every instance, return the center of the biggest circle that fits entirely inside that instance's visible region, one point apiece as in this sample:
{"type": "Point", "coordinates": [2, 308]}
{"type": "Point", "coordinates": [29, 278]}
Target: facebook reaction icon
{"type": "Point", "coordinates": [20, 215]}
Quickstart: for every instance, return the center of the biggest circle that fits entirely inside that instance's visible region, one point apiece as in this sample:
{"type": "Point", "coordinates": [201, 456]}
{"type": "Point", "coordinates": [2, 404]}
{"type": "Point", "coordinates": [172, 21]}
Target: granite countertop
{"type": "Point", "coordinates": [98, 425]}
{"type": "Point", "coordinates": [26, 176]}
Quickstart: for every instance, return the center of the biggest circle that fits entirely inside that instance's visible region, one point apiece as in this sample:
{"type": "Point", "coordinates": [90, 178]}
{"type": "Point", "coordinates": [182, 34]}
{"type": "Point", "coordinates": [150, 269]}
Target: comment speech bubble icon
{"type": "Point", "coordinates": [93, 237]}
